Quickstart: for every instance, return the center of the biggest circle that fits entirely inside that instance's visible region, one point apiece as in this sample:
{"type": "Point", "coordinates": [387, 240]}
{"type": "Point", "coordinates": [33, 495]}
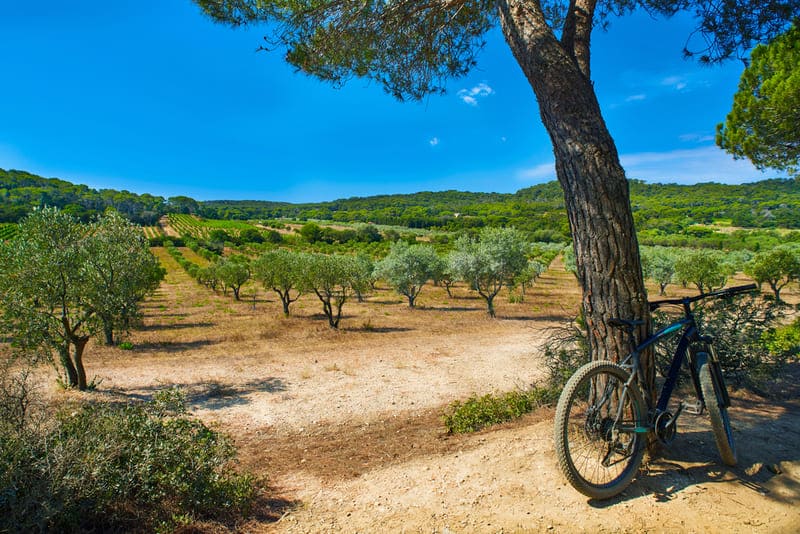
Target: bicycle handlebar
{"type": "Point", "coordinates": [721, 293]}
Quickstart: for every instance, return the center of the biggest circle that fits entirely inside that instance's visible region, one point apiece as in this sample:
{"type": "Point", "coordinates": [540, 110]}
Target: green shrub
{"type": "Point", "coordinates": [783, 342]}
{"type": "Point", "coordinates": [479, 412]}
{"type": "Point", "coordinates": [104, 467]}
{"type": "Point", "coordinates": [741, 329]}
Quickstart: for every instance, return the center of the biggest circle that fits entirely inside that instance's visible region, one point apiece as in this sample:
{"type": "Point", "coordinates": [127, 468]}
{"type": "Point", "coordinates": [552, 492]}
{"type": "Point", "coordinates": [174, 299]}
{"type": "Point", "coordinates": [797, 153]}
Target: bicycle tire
{"type": "Point", "coordinates": [713, 395]}
{"type": "Point", "coordinates": [585, 436]}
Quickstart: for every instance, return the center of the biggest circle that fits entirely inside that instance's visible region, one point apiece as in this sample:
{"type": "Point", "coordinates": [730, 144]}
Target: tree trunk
{"type": "Point", "coordinates": [490, 304]}
{"type": "Point", "coordinates": [108, 332]}
{"type": "Point", "coordinates": [69, 368]}
{"type": "Point", "coordinates": [80, 344]}
{"type": "Point", "coordinates": [587, 165]}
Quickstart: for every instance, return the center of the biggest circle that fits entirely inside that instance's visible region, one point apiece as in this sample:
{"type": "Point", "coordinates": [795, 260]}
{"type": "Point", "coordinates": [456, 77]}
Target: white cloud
{"type": "Point", "coordinates": [696, 138]}
{"type": "Point", "coordinates": [685, 166]}
{"type": "Point", "coordinates": [636, 98]}
{"type": "Point", "coordinates": [689, 166]}
{"type": "Point", "coordinates": [540, 173]}
{"type": "Point", "coordinates": [470, 96]}
{"type": "Point", "coordinates": [677, 82]}
{"type": "Point", "coordinates": [434, 141]}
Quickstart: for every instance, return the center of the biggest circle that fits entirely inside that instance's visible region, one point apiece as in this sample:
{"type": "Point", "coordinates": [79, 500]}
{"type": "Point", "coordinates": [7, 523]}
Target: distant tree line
{"type": "Point", "coordinates": [665, 214]}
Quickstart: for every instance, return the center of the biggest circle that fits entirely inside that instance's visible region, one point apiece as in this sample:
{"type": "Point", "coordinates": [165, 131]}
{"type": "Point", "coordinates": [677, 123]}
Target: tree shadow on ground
{"type": "Point", "coordinates": [215, 395]}
{"type": "Point", "coordinates": [210, 394]}
{"type": "Point", "coordinates": [450, 309]}
{"type": "Point", "coordinates": [173, 346]}
{"type": "Point", "coordinates": [533, 318]}
{"type": "Point", "coordinates": [380, 329]}
{"type": "Point", "coordinates": [175, 326]}
{"type": "Point", "coordinates": [270, 507]}
{"type": "Point", "coordinates": [767, 449]}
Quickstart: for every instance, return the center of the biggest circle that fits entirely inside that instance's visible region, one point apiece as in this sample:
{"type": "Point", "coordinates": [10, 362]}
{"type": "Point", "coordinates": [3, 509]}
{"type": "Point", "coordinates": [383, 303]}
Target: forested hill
{"type": "Point", "coordinates": [21, 191]}
{"type": "Point", "coordinates": [540, 209]}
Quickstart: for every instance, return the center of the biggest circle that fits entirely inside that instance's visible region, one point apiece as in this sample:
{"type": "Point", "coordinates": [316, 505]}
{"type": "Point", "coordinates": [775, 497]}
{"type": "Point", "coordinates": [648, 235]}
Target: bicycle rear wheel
{"type": "Point", "coordinates": [599, 430]}
{"type": "Point", "coordinates": [715, 398]}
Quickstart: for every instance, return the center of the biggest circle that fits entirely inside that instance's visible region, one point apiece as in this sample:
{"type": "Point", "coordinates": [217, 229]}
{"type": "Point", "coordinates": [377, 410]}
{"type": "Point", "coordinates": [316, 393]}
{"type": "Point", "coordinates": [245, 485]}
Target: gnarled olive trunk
{"type": "Point", "coordinates": [588, 168]}
{"type": "Point", "coordinates": [79, 343]}
{"type": "Point", "coordinates": [69, 367]}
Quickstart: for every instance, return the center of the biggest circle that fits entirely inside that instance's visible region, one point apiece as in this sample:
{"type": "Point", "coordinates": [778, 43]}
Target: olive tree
{"type": "Point", "coordinates": [412, 48]}
{"type": "Point", "coordinates": [659, 265]}
{"type": "Point", "coordinates": [334, 279]}
{"type": "Point", "coordinates": [776, 267]}
{"type": "Point", "coordinates": [234, 272]}
{"type": "Point", "coordinates": [58, 285]}
{"type": "Point", "coordinates": [706, 269]}
{"type": "Point", "coordinates": [407, 268]}
{"type": "Point", "coordinates": [490, 262]}
{"type": "Point", "coordinates": [527, 277]}
{"type": "Point", "coordinates": [123, 271]}
{"type": "Point", "coordinates": [282, 271]}
{"type": "Point", "coordinates": [365, 275]}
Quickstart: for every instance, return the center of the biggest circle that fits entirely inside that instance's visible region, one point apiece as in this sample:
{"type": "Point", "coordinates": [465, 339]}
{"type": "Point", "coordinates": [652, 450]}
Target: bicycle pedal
{"type": "Point", "coordinates": [694, 408]}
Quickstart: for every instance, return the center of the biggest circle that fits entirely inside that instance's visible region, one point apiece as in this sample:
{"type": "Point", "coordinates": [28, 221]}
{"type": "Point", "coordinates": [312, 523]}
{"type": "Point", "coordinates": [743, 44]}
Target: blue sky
{"type": "Point", "coordinates": [152, 97]}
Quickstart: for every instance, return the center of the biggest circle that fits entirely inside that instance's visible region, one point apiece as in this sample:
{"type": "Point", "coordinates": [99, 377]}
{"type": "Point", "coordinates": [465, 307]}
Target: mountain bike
{"type": "Point", "coordinates": [603, 418]}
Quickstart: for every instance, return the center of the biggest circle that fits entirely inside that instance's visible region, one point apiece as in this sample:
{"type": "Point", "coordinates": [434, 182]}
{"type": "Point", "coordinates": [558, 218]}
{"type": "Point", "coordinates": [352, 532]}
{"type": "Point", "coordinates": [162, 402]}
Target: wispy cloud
{"type": "Point", "coordinates": [636, 98]}
{"type": "Point", "coordinates": [470, 96]}
{"type": "Point", "coordinates": [685, 166]}
{"type": "Point", "coordinates": [434, 141]}
{"type": "Point", "coordinates": [676, 82]}
{"type": "Point", "coordinates": [696, 137]}
{"type": "Point", "coordinates": [540, 173]}
{"type": "Point", "coordinates": [689, 166]}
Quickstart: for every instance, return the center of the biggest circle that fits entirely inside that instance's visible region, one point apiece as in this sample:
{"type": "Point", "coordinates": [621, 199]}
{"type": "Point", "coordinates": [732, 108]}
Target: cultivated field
{"type": "Point", "coordinates": [346, 425]}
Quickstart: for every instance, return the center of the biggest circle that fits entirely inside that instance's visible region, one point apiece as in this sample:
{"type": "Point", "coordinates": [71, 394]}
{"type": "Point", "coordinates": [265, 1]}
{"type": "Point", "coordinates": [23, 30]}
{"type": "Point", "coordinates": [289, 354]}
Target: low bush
{"type": "Point", "coordinates": [783, 342]}
{"type": "Point", "coordinates": [477, 412]}
{"type": "Point", "coordinates": [102, 467]}
{"type": "Point", "coordinates": [743, 330]}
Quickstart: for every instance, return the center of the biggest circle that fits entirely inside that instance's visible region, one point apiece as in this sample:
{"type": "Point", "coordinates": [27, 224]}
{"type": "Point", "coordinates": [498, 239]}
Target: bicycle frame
{"type": "Point", "coordinates": [602, 415]}
{"type": "Point", "coordinates": [689, 335]}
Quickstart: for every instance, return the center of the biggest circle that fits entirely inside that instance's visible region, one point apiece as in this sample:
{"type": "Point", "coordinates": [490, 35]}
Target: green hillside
{"type": "Point", "coordinates": [664, 213]}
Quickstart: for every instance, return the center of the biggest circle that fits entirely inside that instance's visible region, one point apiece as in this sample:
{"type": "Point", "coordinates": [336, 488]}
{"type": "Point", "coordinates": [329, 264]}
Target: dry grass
{"type": "Point", "coordinates": [300, 397]}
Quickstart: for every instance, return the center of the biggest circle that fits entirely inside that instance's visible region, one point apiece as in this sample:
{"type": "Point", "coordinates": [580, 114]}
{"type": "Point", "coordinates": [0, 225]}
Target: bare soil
{"type": "Point", "coordinates": [346, 425]}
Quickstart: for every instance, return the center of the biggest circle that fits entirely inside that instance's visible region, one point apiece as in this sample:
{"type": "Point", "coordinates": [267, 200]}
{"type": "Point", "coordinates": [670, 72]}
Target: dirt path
{"type": "Point", "coordinates": [347, 425]}
{"type": "Point", "coordinates": [505, 480]}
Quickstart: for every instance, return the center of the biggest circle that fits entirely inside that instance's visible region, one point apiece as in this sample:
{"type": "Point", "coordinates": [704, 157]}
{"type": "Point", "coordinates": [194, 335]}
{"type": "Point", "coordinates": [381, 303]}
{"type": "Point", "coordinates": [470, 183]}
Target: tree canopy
{"type": "Point", "coordinates": [62, 281]}
{"type": "Point", "coordinates": [490, 262]}
{"type": "Point", "coordinates": [411, 48]}
{"type": "Point", "coordinates": [408, 268]}
{"type": "Point", "coordinates": [764, 124]}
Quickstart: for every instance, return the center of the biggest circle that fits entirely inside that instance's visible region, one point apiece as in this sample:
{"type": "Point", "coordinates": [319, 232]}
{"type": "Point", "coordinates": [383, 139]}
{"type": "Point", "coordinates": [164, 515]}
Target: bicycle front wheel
{"type": "Point", "coordinates": [600, 430]}
{"type": "Point", "coordinates": [714, 396]}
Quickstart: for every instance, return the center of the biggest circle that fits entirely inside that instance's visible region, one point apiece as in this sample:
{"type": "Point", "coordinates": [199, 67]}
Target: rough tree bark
{"type": "Point", "coordinates": [587, 165]}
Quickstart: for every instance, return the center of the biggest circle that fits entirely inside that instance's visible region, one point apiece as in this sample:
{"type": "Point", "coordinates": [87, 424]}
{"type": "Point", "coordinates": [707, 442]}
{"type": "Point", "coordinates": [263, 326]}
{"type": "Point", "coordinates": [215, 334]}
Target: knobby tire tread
{"type": "Point", "coordinates": [720, 423]}
{"type": "Point", "coordinates": [562, 445]}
